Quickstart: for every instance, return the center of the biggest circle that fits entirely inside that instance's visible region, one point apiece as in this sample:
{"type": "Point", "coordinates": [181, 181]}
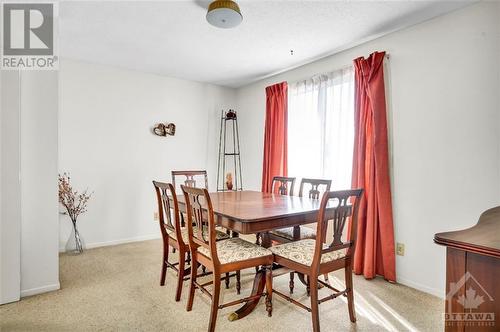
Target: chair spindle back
{"type": "Point", "coordinates": [283, 185]}
{"type": "Point", "coordinates": [314, 192]}
{"type": "Point", "coordinates": [168, 209]}
{"type": "Point", "coordinates": [193, 179]}
{"type": "Point", "coordinates": [200, 217]}
{"type": "Point", "coordinates": [346, 207]}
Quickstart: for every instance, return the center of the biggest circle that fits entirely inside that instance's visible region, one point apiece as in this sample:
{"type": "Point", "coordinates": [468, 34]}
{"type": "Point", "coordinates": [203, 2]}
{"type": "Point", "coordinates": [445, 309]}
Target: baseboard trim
{"type": "Point", "coordinates": [116, 242]}
{"type": "Point", "coordinates": [429, 290]}
{"type": "Point", "coordinates": [407, 282]}
{"type": "Point", "coordinates": [40, 290]}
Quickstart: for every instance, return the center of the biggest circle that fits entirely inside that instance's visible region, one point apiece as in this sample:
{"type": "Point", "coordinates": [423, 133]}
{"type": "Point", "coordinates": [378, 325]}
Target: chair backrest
{"type": "Point", "coordinates": [168, 210]}
{"type": "Point", "coordinates": [195, 179]}
{"type": "Point", "coordinates": [283, 185]}
{"type": "Point", "coordinates": [200, 220]}
{"type": "Point", "coordinates": [314, 192]}
{"type": "Point", "coordinates": [346, 207]}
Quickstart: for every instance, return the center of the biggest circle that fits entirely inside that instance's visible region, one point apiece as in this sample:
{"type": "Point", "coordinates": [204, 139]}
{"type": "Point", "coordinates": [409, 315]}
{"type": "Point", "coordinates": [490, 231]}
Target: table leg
{"type": "Point", "coordinates": [258, 287]}
{"type": "Point", "coordinates": [302, 278]}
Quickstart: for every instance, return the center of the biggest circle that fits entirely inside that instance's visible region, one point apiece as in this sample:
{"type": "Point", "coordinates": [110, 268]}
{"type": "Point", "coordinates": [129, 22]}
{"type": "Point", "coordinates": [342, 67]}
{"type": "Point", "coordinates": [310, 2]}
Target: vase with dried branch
{"type": "Point", "coordinates": [75, 204]}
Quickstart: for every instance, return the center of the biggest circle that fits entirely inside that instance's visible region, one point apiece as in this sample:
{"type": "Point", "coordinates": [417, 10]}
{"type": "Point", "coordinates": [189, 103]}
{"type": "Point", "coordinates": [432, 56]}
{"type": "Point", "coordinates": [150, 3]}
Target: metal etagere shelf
{"type": "Point", "coordinates": [229, 123]}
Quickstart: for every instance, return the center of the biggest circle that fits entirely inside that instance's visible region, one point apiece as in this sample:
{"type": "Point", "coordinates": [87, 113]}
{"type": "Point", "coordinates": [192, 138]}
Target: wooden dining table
{"type": "Point", "coordinates": [250, 212]}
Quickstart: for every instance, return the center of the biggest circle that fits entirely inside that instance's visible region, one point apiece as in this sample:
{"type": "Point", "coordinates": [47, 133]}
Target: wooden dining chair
{"type": "Point", "coordinates": [174, 235]}
{"type": "Point", "coordinates": [315, 257]}
{"type": "Point", "coordinates": [288, 234]}
{"type": "Point", "coordinates": [197, 179]}
{"type": "Point", "coordinates": [220, 257]}
{"type": "Point", "coordinates": [284, 235]}
{"type": "Point", "coordinates": [282, 185]}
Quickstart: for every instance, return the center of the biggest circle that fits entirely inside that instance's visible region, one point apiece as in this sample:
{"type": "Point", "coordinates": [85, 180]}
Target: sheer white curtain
{"type": "Point", "coordinates": [321, 127]}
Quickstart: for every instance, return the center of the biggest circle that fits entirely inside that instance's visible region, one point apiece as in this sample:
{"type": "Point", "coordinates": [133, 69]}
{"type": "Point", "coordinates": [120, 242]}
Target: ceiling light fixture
{"type": "Point", "coordinates": [224, 14]}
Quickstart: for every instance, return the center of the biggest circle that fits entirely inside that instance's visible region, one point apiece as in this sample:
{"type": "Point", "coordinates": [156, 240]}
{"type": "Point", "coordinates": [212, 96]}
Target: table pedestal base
{"type": "Point", "coordinates": [258, 287]}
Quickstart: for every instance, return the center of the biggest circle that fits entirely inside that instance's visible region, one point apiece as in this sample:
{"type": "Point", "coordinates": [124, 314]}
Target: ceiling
{"type": "Point", "coordinates": [172, 38]}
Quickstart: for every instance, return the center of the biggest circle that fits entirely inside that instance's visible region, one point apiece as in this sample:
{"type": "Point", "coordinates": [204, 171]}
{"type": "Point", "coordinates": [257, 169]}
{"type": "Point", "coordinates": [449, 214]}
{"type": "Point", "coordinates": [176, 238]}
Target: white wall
{"type": "Point", "coordinates": [39, 225]}
{"type": "Point", "coordinates": [10, 188]}
{"type": "Point", "coordinates": [444, 107]}
{"type": "Point", "coordinates": [29, 219]}
{"type": "Point", "coordinates": [106, 143]}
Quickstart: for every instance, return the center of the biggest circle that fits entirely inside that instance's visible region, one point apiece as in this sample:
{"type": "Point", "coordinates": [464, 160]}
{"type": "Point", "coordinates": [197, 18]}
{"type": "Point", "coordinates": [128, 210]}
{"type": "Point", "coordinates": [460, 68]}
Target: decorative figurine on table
{"type": "Point", "coordinates": [229, 181]}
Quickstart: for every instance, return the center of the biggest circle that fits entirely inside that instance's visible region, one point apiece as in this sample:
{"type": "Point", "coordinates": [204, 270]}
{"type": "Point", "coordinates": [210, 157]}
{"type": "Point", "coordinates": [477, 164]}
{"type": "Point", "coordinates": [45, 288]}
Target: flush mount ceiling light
{"type": "Point", "coordinates": [224, 14]}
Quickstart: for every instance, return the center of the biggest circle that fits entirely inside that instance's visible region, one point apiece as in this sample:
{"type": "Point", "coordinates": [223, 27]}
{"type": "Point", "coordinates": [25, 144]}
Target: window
{"type": "Point", "coordinates": [321, 127]}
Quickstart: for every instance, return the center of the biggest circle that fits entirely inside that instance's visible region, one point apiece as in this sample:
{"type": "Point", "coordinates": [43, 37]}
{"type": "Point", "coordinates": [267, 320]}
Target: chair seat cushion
{"type": "Point", "coordinates": [235, 249]}
{"type": "Point", "coordinates": [302, 252]}
{"type": "Point", "coordinates": [287, 233]}
{"type": "Point", "coordinates": [185, 236]}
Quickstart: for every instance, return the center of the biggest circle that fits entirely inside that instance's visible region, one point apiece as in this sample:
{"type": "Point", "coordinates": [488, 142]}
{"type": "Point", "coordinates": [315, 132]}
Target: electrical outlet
{"type": "Point", "coordinates": [156, 216]}
{"type": "Point", "coordinates": [400, 249]}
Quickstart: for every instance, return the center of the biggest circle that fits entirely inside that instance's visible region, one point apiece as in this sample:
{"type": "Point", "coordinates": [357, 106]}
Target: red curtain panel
{"type": "Point", "coordinates": [374, 254]}
{"type": "Point", "coordinates": [275, 135]}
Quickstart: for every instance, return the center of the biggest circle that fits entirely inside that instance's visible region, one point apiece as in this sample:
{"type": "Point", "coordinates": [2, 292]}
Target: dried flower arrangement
{"type": "Point", "coordinates": [75, 204]}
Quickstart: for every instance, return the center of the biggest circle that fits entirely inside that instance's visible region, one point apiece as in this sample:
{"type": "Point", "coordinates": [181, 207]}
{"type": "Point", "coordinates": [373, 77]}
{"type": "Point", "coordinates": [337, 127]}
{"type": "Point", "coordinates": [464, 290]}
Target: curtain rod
{"type": "Point", "coordinates": [387, 56]}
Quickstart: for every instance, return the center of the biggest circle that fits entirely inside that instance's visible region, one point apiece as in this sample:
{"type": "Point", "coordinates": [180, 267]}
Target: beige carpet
{"type": "Point", "coordinates": [117, 289]}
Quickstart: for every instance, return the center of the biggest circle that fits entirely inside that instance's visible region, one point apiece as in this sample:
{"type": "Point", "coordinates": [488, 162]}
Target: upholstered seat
{"type": "Point", "coordinates": [169, 218]}
{"type": "Point", "coordinates": [233, 254]}
{"type": "Point", "coordinates": [302, 252]}
{"type": "Point", "coordinates": [236, 249]}
{"type": "Point", "coordinates": [185, 237]}
{"type": "Point", "coordinates": [302, 256]}
{"type": "Point", "coordinates": [287, 233]}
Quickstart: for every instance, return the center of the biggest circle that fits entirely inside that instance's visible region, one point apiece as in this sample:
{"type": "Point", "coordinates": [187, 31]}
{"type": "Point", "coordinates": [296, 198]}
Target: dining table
{"type": "Point", "coordinates": [251, 212]}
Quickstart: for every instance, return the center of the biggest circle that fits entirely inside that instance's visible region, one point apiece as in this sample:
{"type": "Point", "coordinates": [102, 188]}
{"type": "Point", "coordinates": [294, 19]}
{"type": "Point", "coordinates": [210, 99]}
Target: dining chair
{"type": "Point", "coordinates": [282, 185]}
{"type": "Point", "coordinates": [220, 257]}
{"type": "Point", "coordinates": [297, 233]}
{"type": "Point", "coordinates": [284, 235]}
{"type": "Point", "coordinates": [314, 257]}
{"type": "Point", "coordinates": [174, 235]}
{"type": "Point", "coordinates": [198, 179]}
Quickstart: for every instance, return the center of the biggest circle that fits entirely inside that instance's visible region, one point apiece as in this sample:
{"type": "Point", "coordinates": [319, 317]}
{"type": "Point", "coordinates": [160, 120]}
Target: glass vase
{"type": "Point", "coordinates": [75, 244]}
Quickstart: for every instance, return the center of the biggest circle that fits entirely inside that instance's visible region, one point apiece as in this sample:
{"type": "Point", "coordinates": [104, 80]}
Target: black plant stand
{"type": "Point", "coordinates": [229, 125]}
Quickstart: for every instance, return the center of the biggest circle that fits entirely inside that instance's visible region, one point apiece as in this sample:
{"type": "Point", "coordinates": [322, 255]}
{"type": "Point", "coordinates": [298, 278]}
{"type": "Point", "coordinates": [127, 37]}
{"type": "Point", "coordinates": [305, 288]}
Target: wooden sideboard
{"type": "Point", "coordinates": [473, 275]}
